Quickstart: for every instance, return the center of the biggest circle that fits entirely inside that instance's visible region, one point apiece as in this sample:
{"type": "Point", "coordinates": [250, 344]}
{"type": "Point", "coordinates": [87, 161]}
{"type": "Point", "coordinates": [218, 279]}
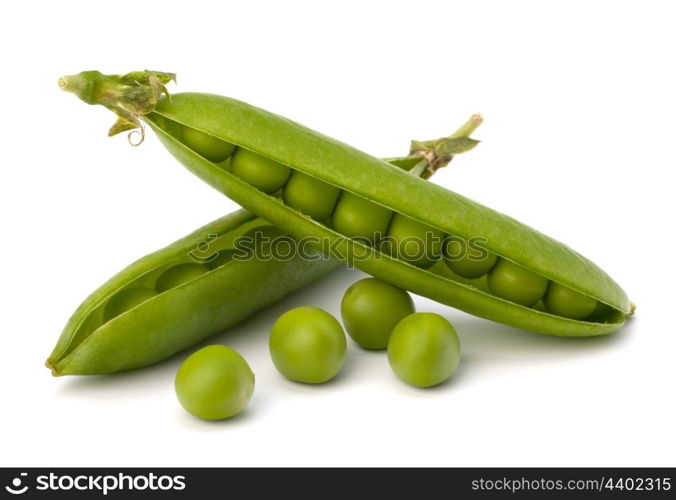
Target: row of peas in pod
{"type": "Point", "coordinates": [182, 271]}
{"type": "Point", "coordinates": [392, 233]}
{"type": "Point", "coordinates": [308, 345]}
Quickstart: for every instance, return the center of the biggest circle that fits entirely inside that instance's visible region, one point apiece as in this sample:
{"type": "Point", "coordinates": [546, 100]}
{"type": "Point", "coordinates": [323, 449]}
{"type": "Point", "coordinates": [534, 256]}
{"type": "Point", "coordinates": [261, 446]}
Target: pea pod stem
{"type": "Point", "coordinates": [440, 152]}
{"type": "Point", "coordinates": [128, 96]}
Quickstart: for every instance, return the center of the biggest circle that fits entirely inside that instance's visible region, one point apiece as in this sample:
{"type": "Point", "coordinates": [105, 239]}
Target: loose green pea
{"type": "Point", "coordinates": [357, 217]}
{"type": "Point", "coordinates": [371, 309]}
{"type": "Point", "coordinates": [214, 383]}
{"type": "Point", "coordinates": [424, 349]}
{"type": "Point", "coordinates": [310, 196]}
{"type": "Point", "coordinates": [212, 148]}
{"type": "Point", "coordinates": [563, 301]}
{"type": "Point", "coordinates": [177, 275]}
{"type": "Point", "coordinates": [307, 345]}
{"type": "Point", "coordinates": [512, 282]}
{"type": "Point", "coordinates": [467, 261]}
{"type": "Point", "coordinates": [126, 299]}
{"type": "Point", "coordinates": [222, 257]}
{"type": "Point", "coordinates": [412, 241]}
{"type": "Point", "coordinates": [263, 173]}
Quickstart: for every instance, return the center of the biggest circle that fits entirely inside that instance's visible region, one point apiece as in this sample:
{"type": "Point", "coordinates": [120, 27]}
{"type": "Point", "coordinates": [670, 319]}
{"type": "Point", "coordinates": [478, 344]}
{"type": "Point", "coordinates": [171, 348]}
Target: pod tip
{"type": "Point", "coordinates": [49, 364]}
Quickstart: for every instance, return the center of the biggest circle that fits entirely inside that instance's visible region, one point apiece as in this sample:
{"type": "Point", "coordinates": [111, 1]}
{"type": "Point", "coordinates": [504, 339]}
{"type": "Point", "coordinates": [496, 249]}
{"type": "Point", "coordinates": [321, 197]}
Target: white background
{"type": "Point", "coordinates": [578, 141]}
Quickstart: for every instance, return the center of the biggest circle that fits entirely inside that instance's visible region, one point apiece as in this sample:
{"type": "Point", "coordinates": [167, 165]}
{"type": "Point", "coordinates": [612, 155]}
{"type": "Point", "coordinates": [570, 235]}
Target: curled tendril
{"type": "Point", "coordinates": [129, 96]}
{"type": "Point", "coordinates": [137, 131]}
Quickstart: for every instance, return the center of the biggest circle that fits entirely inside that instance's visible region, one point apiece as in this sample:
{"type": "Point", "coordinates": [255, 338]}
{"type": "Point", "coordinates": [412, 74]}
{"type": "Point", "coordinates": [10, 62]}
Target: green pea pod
{"type": "Point", "coordinates": [292, 145]}
{"type": "Point", "coordinates": [225, 291]}
{"type": "Point", "coordinates": [171, 321]}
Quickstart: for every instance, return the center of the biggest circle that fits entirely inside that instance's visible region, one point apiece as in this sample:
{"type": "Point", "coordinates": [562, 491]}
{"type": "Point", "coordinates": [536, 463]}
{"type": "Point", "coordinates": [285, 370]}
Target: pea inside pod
{"type": "Point", "coordinates": [211, 148]}
{"type": "Point", "coordinates": [179, 274]}
{"type": "Point", "coordinates": [310, 196]}
{"type": "Point", "coordinates": [125, 300]}
{"type": "Point", "coordinates": [467, 258]}
{"type": "Point", "coordinates": [413, 241]}
{"type": "Point", "coordinates": [366, 182]}
{"type": "Point", "coordinates": [266, 174]}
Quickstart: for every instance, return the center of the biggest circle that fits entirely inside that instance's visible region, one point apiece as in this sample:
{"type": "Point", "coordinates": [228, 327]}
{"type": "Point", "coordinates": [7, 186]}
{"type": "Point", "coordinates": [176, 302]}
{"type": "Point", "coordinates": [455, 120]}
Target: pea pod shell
{"type": "Point", "coordinates": [332, 161]}
{"type": "Point", "coordinates": [178, 318]}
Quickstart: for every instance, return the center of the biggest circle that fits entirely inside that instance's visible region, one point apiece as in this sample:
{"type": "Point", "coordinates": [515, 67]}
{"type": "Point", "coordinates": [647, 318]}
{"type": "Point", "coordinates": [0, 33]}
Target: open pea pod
{"type": "Point", "coordinates": [525, 257]}
{"type": "Point", "coordinates": [177, 296]}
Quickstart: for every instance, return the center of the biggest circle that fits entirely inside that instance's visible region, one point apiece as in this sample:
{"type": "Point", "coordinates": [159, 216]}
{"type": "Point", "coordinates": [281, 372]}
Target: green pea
{"type": "Point", "coordinates": [424, 349]}
{"type": "Point", "coordinates": [126, 299]}
{"type": "Point", "coordinates": [214, 383]}
{"type": "Point", "coordinates": [307, 345]}
{"type": "Point", "coordinates": [466, 259]}
{"type": "Point", "coordinates": [371, 309]}
{"type": "Point", "coordinates": [517, 284]}
{"type": "Point", "coordinates": [563, 301]}
{"type": "Point", "coordinates": [412, 241]}
{"type": "Point", "coordinates": [310, 196]}
{"type": "Point", "coordinates": [263, 173]}
{"type": "Point", "coordinates": [222, 257]}
{"type": "Point", "coordinates": [359, 218]}
{"type": "Point", "coordinates": [177, 275]}
{"type": "Point", "coordinates": [173, 128]}
{"type": "Point", "coordinates": [209, 147]}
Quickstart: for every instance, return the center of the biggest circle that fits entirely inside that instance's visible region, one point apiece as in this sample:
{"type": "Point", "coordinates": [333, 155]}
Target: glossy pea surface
{"type": "Point", "coordinates": [568, 303]}
{"type": "Point", "coordinates": [307, 345]}
{"type": "Point", "coordinates": [359, 218]}
{"type": "Point", "coordinates": [467, 260]}
{"type": "Point", "coordinates": [177, 275]}
{"type": "Point", "coordinates": [211, 148]}
{"type": "Point", "coordinates": [126, 299]}
{"type": "Point", "coordinates": [263, 173]}
{"type": "Point", "coordinates": [413, 241]}
{"type": "Point", "coordinates": [310, 196]}
{"type": "Point", "coordinates": [424, 350]}
{"type": "Point", "coordinates": [512, 282]}
{"type": "Point", "coordinates": [371, 308]}
{"type": "Point", "coordinates": [214, 383]}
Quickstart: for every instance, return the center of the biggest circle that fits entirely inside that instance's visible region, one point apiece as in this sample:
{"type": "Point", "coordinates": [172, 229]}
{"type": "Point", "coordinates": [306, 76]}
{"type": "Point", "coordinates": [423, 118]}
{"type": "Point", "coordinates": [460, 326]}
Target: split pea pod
{"type": "Point", "coordinates": [175, 297]}
{"type": "Point", "coordinates": [531, 281]}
